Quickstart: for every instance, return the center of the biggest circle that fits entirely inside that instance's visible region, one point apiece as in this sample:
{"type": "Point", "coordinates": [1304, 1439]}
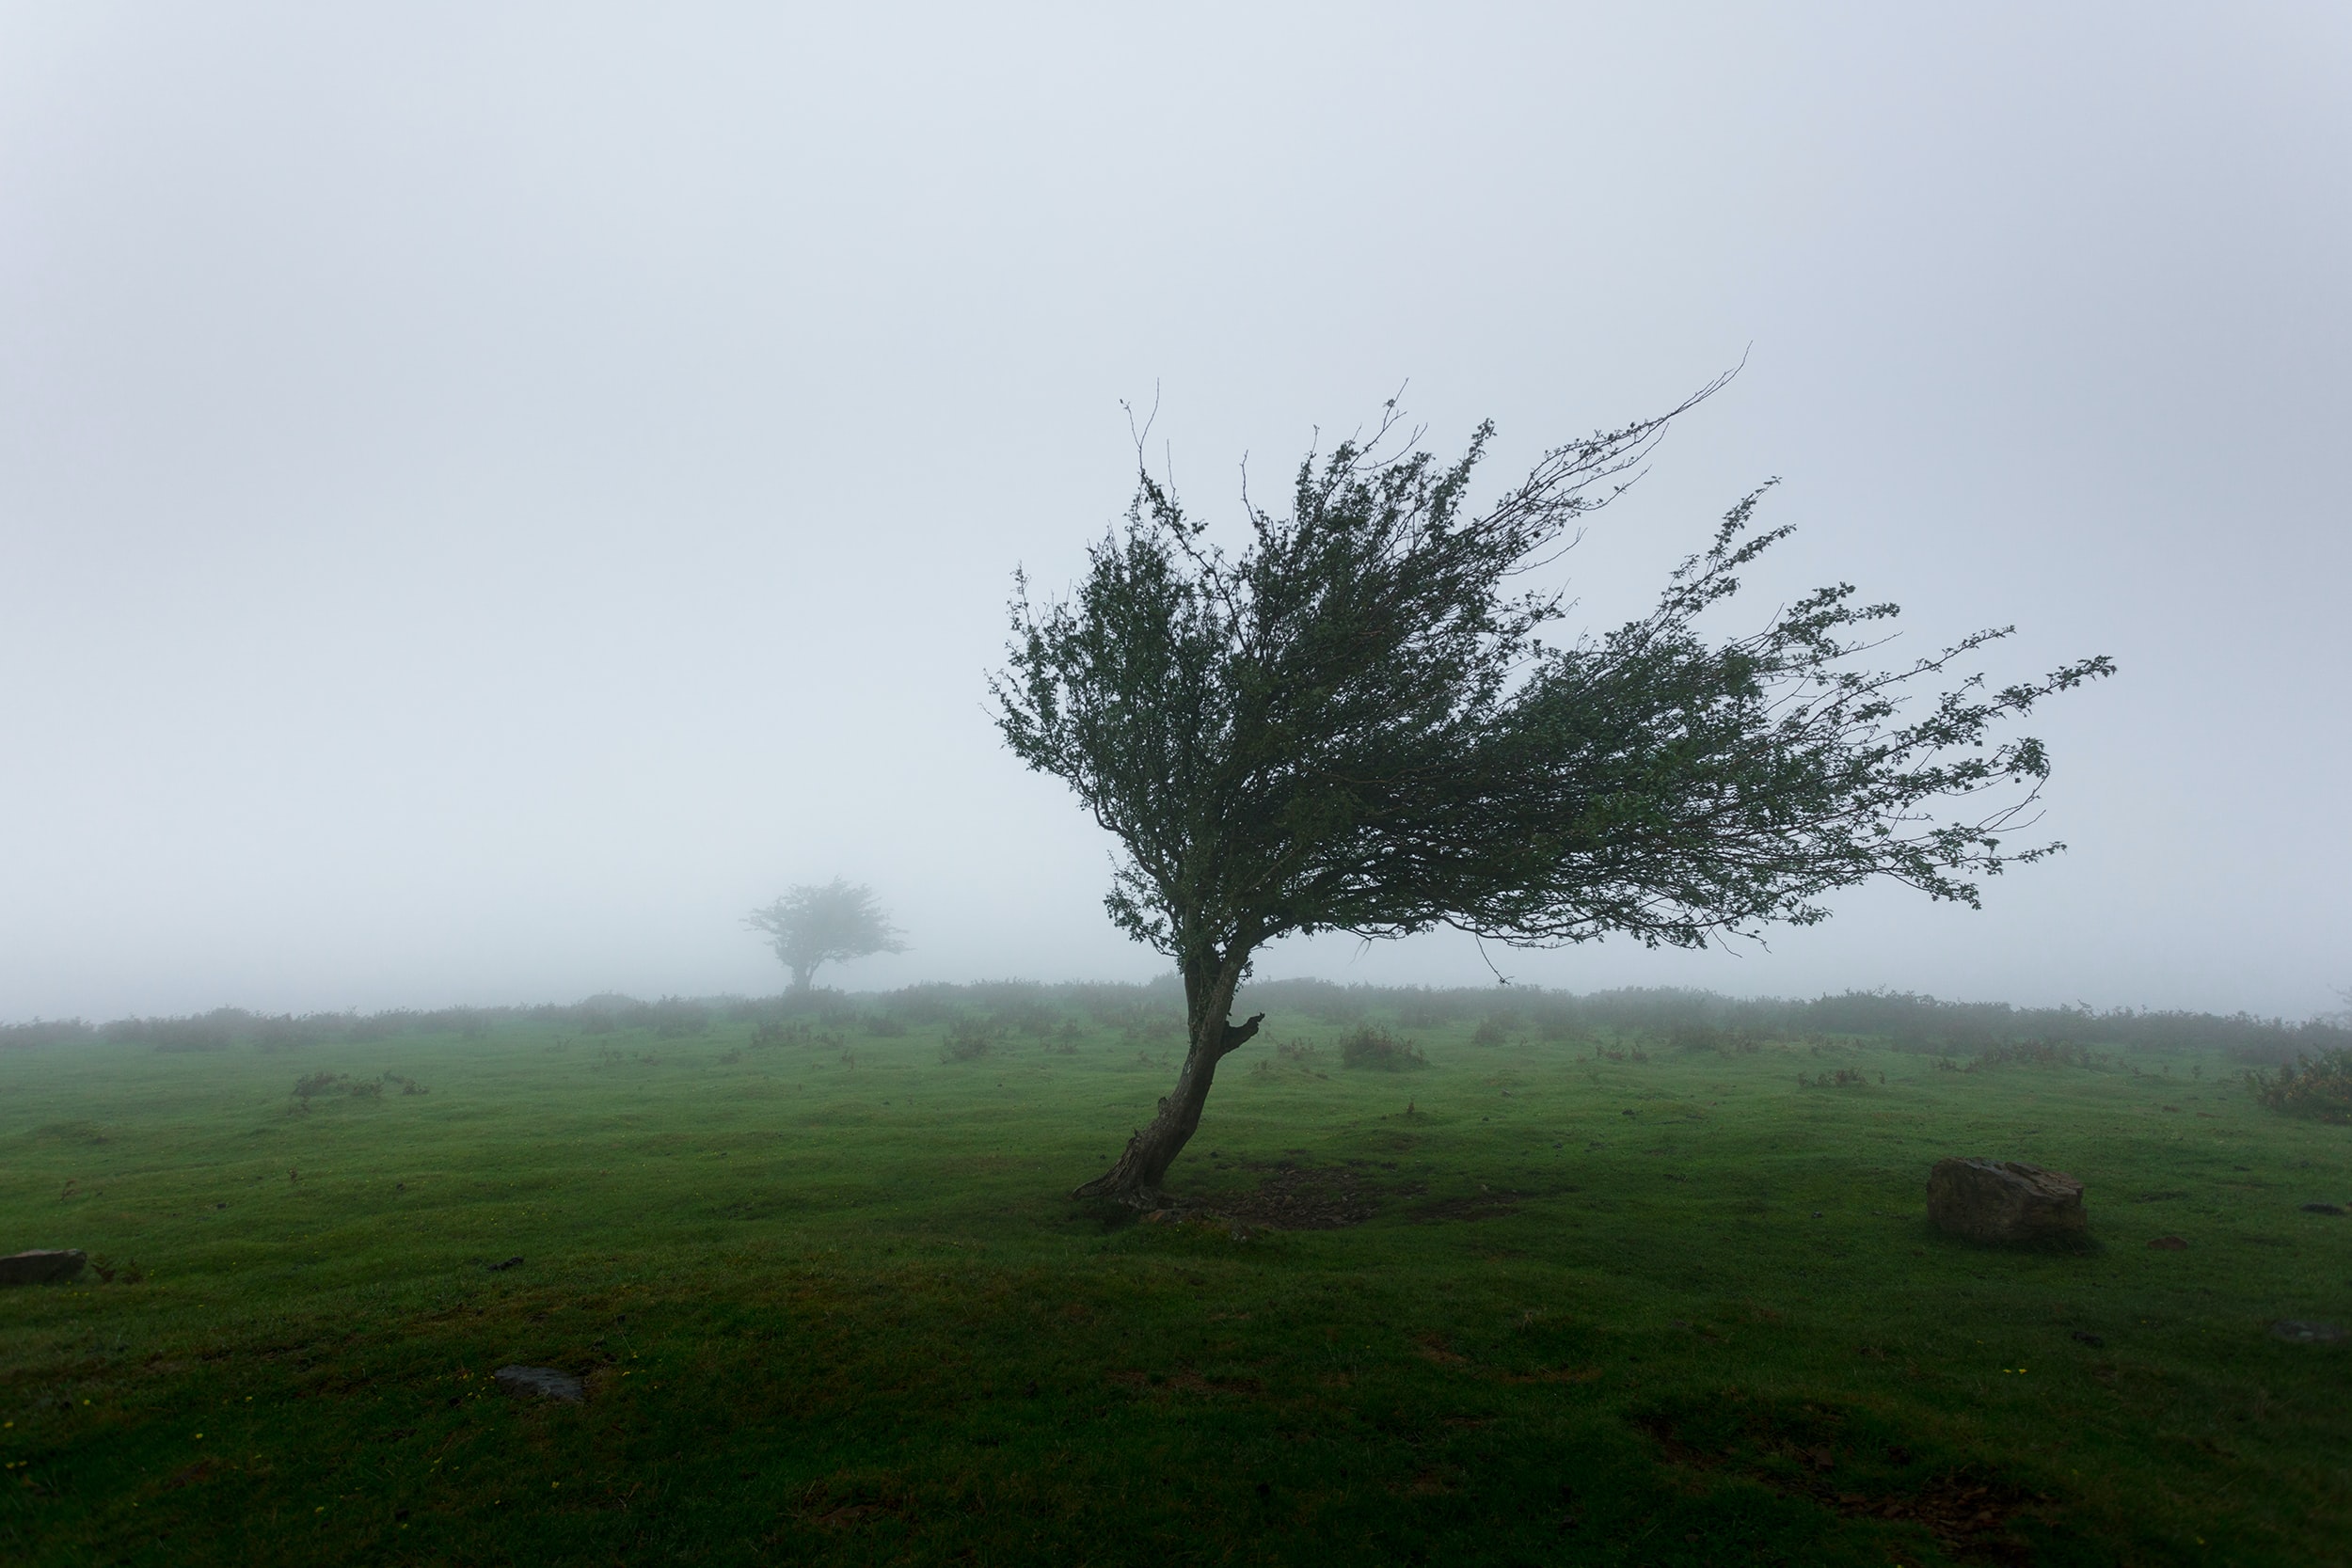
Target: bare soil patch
{"type": "Point", "coordinates": [1802, 1454]}
{"type": "Point", "coordinates": [1311, 1198]}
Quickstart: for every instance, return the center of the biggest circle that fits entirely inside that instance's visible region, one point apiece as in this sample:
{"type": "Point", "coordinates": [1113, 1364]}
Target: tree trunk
{"type": "Point", "coordinates": [1209, 987]}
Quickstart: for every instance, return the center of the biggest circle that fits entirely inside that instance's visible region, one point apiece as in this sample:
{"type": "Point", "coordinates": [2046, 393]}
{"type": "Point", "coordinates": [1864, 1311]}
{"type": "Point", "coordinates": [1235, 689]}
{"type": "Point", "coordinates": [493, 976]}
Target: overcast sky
{"type": "Point", "coordinates": [491, 493]}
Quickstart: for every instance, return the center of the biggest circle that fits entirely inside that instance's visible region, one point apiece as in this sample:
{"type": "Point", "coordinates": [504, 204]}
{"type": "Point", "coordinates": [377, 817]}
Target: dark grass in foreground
{"type": "Point", "coordinates": [1585, 1302]}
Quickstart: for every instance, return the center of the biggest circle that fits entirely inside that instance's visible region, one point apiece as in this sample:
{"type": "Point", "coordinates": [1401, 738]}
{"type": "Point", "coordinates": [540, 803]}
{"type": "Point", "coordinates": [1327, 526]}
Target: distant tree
{"type": "Point", "coordinates": [1354, 724]}
{"type": "Point", "coordinates": [814, 924]}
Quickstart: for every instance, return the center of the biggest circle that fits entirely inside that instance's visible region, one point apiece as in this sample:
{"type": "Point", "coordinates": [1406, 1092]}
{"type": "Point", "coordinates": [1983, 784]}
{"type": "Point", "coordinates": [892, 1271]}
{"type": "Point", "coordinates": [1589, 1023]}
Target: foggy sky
{"type": "Point", "coordinates": [488, 495]}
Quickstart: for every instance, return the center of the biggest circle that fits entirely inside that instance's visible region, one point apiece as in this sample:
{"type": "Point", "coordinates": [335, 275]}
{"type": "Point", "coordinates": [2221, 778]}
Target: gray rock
{"type": "Point", "coordinates": [40, 1268]}
{"type": "Point", "coordinates": [546, 1382]}
{"type": "Point", "coordinates": [2003, 1201]}
{"type": "Point", "coordinates": [2300, 1333]}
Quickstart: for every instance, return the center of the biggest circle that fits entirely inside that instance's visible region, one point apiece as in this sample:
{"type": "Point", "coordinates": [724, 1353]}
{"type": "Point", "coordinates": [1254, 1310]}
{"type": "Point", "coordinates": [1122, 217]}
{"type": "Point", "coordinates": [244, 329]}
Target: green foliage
{"type": "Point", "coordinates": [1374, 1047]}
{"type": "Point", "coordinates": [1495, 1029]}
{"type": "Point", "coordinates": [1355, 723]}
{"type": "Point", "coordinates": [311, 1087]}
{"type": "Point", "coordinates": [2320, 1087]}
{"type": "Point", "coordinates": [968, 1039]}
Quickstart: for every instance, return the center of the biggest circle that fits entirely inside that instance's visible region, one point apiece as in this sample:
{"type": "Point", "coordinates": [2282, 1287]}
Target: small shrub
{"type": "Point", "coordinates": [2316, 1086]}
{"type": "Point", "coordinates": [1555, 1023]}
{"type": "Point", "coordinates": [1844, 1078]}
{"type": "Point", "coordinates": [1301, 1051]}
{"type": "Point", "coordinates": [675, 1018]}
{"type": "Point", "coordinates": [1375, 1048]}
{"type": "Point", "coordinates": [308, 1089]}
{"type": "Point", "coordinates": [2037, 1054]}
{"type": "Point", "coordinates": [1154, 1026]}
{"type": "Point", "coordinates": [887, 1026]}
{"type": "Point", "coordinates": [1496, 1029]}
{"type": "Point", "coordinates": [803, 1032]}
{"type": "Point", "coordinates": [969, 1039]}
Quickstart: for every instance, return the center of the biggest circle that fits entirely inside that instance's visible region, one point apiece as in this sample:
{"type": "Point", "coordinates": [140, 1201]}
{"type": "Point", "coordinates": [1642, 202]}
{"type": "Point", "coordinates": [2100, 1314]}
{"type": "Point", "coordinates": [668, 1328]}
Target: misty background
{"type": "Point", "coordinates": [489, 495]}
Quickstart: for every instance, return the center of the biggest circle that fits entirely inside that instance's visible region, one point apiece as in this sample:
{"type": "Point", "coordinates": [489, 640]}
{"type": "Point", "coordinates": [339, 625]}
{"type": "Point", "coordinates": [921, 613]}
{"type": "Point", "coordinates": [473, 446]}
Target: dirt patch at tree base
{"type": "Point", "coordinates": [1295, 1196]}
{"type": "Point", "coordinates": [1311, 1198]}
{"type": "Point", "coordinates": [1805, 1454]}
{"type": "Point", "coordinates": [1289, 1197]}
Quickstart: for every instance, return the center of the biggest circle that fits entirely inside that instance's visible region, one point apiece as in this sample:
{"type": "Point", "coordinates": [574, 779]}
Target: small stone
{"type": "Point", "coordinates": [2003, 1201]}
{"type": "Point", "coordinates": [546, 1382]}
{"type": "Point", "coordinates": [42, 1267]}
{"type": "Point", "coordinates": [2168, 1243]}
{"type": "Point", "coordinates": [2297, 1332]}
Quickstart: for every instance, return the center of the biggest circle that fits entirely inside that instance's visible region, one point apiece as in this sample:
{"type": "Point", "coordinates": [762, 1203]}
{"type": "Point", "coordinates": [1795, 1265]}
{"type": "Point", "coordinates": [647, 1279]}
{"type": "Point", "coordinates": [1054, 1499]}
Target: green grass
{"type": "Point", "coordinates": [1673, 1311]}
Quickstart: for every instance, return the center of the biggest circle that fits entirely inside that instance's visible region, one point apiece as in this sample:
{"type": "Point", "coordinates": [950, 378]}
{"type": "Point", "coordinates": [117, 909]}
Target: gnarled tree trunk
{"type": "Point", "coordinates": [1209, 986]}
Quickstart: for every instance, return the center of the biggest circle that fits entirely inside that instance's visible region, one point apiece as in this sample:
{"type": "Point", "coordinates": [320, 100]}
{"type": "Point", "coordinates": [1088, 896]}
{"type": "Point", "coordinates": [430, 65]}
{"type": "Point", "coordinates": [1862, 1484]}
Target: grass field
{"type": "Point", "coordinates": [1583, 1300]}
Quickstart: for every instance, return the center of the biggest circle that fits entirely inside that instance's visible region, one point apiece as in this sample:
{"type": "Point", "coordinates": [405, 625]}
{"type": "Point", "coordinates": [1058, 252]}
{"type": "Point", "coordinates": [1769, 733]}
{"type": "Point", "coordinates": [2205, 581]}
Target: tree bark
{"type": "Point", "coordinates": [1135, 1178]}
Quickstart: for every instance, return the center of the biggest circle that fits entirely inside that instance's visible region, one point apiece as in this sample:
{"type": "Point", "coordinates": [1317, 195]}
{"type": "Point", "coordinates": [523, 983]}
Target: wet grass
{"type": "Point", "coordinates": [1583, 1302]}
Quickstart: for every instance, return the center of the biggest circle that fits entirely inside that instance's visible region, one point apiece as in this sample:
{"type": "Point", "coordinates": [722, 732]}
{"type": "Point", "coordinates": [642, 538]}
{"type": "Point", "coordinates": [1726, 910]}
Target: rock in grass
{"type": "Point", "coordinates": [40, 1268]}
{"type": "Point", "coordinates": [2297, 1332]}
{"type": "Point", "coordinates": [546, 1382]}
{"type": "Point", "coordinates": [2002, 1200]}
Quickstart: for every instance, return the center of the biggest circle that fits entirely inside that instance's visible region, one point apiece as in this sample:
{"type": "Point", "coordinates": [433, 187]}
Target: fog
{"type": "Point", "coordinates": [489, 495]}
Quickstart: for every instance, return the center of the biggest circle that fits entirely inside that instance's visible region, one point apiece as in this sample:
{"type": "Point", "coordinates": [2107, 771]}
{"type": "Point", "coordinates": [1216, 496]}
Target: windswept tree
{"type": "Point", "coordinates": [832, 923]}
{"type": "Point", "coordinates": [1354, 723]}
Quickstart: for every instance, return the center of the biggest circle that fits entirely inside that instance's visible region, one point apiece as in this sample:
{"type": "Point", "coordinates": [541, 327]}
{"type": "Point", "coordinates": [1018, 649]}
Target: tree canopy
{"type": "Point", "coordinates": [1355, 721]}
{"type": "Point", "coordinates": [818, 924]}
